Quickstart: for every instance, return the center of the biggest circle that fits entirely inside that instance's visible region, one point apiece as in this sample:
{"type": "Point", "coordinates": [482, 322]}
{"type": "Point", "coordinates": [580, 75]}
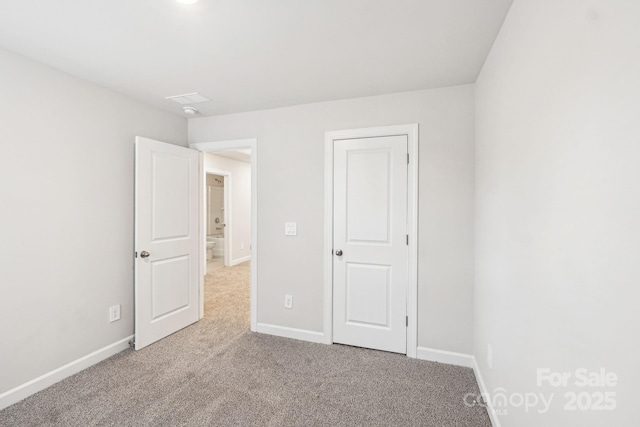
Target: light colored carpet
{"type": "Point", "coordinates": [226, 296]}
{"type": "Point", "coordinates": [214, 264]}
{"type": "Point", "coordinates": [216, 373]}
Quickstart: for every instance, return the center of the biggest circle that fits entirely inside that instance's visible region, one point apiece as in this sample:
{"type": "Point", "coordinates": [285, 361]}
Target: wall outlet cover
{"type": "Point", "coordinates": [290, 229]}
{"type": "Point", "coordinates": [114, 313]}
{"type": "Point", "coordinates": [288, 301]}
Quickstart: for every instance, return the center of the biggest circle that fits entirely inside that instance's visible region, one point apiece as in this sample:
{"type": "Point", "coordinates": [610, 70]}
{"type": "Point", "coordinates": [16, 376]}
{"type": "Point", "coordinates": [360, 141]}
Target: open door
{"type": "Point", "coordinates": [166, 240]}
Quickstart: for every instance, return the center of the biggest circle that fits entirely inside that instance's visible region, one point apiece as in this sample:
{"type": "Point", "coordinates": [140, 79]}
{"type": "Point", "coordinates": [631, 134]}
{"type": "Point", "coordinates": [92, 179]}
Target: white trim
{"type": "Point", "coordinates": [203, 230]}
{"type": "Point", "coordinates": [293, 333]}
{"type": "Point", "coordinates": [411, 130]}
{"type": "Point", "coordinates": [493, 416]}
{"type": "Point", "coordinates": [16, 394]}
{"type": "Point", "coordinates": [240, 260]}
{"type": "Point", "coordinates": [328, 240]}
{"type": "Point", "coordinates": [232, 144]}
{"type": "Point", "coordinates": [467, 361]}
{"type": "Point", "coordinates": [412, 230]}
{"type": "Point", "coordinates": [253, 145]}
{"type": "Point", "coordinates": [443, 356]}
{"type": "Point", "coordinates": [227, 231]}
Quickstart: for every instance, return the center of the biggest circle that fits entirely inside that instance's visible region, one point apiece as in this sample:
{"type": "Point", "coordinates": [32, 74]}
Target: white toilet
{"type": "Point", "coordinates": [210, 245]}
{"type": "Point", "coordinates": [215, 246]}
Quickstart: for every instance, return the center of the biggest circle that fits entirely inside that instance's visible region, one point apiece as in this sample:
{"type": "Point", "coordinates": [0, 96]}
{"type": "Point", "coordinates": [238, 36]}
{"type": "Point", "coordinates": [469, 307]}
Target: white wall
{"type": "Point", "coordinates": [240, 203]}
{"type": "Point", "coordinates": [291, 188]}
{"type": "Point", "coordinates": [66, 180]}
{"type": "Point", "coordinates": [558, 204]}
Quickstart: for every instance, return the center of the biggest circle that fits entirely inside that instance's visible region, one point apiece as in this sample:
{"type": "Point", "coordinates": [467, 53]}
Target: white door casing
{"type": "Point", "coordinates": [370, 263]}
{"type": "Point", "coordinates": [167, 228]}
{"type": "Point", "coordinates": [411, 133]}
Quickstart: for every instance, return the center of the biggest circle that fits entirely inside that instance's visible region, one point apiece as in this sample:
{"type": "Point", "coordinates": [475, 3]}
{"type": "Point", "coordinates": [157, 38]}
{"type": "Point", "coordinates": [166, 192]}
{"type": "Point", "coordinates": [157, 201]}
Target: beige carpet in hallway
{"type": "Point", "coordinates": [226, 295]}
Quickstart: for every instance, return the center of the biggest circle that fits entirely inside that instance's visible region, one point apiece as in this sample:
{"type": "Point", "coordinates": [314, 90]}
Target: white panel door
{"type": "Point", "coordinates": [167, 240]}
{"type": "Point", "coordinates": [371, 255]}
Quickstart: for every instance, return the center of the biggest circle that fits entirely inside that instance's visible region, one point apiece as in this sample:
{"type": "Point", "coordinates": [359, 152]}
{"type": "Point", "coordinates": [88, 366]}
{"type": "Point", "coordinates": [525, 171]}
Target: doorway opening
{"type": "Point", "coordinates": [217, 194]}
{"type": "Point", "coordinates": [229, 279]}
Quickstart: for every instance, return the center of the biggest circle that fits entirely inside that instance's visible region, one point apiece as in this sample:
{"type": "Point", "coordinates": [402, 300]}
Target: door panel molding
{"type": "Point", "coordinates": [411, 132]}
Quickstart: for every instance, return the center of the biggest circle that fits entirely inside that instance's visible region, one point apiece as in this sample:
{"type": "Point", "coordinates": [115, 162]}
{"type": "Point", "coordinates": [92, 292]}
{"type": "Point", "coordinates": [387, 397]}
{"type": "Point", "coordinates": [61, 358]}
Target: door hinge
{"type": "Point", "coordinates": [407, 158]}
{"type": "Point", "coordinates": [407, 240]}
{"type": "Point", "coordinates": [407, 321]}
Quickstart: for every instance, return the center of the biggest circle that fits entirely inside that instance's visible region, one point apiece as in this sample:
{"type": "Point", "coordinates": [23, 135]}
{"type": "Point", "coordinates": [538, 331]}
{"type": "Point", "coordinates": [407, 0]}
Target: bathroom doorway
{"type": "Point", "coordinates": [229, 292]}
{"type": "Point", "coordinates": [217, 195]}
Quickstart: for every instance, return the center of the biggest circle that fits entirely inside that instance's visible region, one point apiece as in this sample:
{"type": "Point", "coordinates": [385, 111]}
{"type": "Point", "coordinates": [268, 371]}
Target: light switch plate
{"type": "Point", "coordinates": [290, 229]}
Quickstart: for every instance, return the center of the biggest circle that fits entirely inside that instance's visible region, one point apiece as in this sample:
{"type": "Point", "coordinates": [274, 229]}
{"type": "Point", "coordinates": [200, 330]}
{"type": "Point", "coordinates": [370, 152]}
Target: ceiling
{"type": "Point", "coordinates": [255, 54]}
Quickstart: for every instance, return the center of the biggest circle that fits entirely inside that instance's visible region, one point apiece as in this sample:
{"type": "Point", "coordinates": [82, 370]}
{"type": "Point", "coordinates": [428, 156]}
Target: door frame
{"type": "Point", "coordinates": [411, 131]}
{"type": "Point", "coordinates": [211, 147]}
{"type": "Point", "coordinates": [228, 227]}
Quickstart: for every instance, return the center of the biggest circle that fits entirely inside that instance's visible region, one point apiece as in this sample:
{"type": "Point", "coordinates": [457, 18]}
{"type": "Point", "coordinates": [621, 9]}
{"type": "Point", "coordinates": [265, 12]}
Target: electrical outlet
{"type": "Point", "coordinates": [288, 301]}
{"type": "Point", "coordinates": [114, 313]}
{"type": "Point", "coordinates": [489, 356]}
{"type": "Point", "coordinates": [290, 229]}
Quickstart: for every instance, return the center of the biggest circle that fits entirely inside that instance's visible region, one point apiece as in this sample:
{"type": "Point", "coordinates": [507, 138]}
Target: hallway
{"type": "Point", "coordinates": [227, 294]}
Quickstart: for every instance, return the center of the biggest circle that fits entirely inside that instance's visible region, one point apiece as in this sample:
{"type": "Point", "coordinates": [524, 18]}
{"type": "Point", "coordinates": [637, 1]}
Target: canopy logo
{"type": "Point", "coordinates": [592, 393]}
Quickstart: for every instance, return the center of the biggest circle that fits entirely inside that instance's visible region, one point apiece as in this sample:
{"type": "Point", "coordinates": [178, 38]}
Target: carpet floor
{"type": "Point", "coordinates": [218, 373]}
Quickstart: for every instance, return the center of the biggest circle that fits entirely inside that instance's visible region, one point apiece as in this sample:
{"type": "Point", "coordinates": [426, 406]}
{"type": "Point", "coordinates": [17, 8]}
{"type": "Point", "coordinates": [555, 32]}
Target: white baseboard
{"type": "Point", "coordinates": [296, 334]}
{"type": "Point", "coordinates": [240, 260]}
{"type": "Point", "coordinates": [443, 356]}
{"type": "Point", "coordinates": [16, 394]}
{"type": "Point", "coordinates": [483, 390]}
{"type": "Point", "coordinates": [460, 359]}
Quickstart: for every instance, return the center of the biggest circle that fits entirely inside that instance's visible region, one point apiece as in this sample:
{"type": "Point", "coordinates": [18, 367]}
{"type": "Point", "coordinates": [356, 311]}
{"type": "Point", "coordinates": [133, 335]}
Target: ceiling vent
{"type": "Point", "coordinates": [188, 98]}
